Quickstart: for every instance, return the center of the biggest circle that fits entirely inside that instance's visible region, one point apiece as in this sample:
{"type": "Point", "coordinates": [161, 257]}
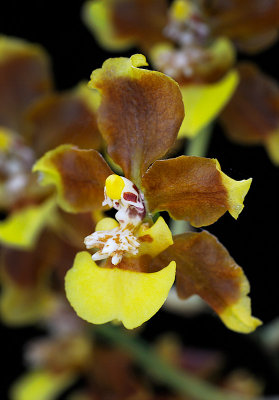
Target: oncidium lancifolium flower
{"type": "Point", "coordinates": [34, 118]}
{"type": "Point", "coordinates": [195, 42]}
{"type": "Point", "coordinates": [136, 260]}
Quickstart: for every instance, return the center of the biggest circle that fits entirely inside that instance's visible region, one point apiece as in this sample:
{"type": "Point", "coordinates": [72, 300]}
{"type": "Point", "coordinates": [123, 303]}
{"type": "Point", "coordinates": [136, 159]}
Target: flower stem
{"type": "Point", "coordinates": [199, 144]}
{"type": "Point", "coordinates": [179, 381]}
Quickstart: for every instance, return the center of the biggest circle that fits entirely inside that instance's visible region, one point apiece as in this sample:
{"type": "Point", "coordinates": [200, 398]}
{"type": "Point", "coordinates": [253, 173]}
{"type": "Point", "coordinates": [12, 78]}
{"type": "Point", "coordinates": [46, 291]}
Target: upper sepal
{"type": "Point", "coordinates": [140, 113]}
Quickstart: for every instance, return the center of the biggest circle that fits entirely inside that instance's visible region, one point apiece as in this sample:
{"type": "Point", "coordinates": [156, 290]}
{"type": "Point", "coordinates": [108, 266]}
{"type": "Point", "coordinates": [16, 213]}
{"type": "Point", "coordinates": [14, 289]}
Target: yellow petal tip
{"type": "Point", "coordinates": [138, 60]}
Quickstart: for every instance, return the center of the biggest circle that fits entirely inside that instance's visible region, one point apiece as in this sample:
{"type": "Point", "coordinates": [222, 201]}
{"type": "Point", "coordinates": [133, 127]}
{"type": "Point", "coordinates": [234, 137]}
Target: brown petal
{"type": "Point", "coordinates": [67, 118]}
{"type": "Point", "coordinates": [28, 269]}
{"type": "Point", "coordinates": [79, 177]}
{"type": "Point", "coordinates": [140, 113]}
{"type": "Point", "coordinates": [24, 77]}
{"type": "Point", "coordinates": [194, 189]}
{"type": "Point", "coordinates": [29, 279]}
{"type": "Point", "coordinates": [205, 267]}
{"type": "Point", "coordinates": [252, 115]}
{"type": "Point", "coordinates": [241, 20]}
{"type": "Point", "coordinates": [143, 20]}
{"type": "Point", "coordinates": [120, 24]}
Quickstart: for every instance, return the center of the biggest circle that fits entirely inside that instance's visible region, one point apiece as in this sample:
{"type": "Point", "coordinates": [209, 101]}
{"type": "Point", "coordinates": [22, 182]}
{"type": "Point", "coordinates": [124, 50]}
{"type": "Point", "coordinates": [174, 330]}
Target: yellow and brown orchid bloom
{"type": "Point", "coordinates": [200, 67]}
{"type": "Point", "coordinates": [34, 119]}
{"type": "Point", "coordinates": [251, 24]}
{"type": "Point", "coordinates": [139, 117]}
{"type": "Point", "coordinates": [197, 48]}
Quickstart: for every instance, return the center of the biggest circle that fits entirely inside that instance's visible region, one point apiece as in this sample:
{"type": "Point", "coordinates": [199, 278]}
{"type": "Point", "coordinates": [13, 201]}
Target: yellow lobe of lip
{"type": "Point", "coordinates": [106, 224]}
{"type": "Point", "coordinates": [114, 186]}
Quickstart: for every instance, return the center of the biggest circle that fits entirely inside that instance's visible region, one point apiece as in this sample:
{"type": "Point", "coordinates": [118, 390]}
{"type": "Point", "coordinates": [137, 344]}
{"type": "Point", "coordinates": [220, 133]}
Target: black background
{"type": "Point", "coordinates": [252, 240]}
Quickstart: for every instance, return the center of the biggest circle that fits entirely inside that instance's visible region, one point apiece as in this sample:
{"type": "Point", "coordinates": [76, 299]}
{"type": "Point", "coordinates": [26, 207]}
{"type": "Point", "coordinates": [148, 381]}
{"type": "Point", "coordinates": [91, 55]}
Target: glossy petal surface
{"type": "Point", "coordinates": [24, 77]}
{"type": "Point", "coordinates": [194, 189]}
{"type": "Point", "coordinates": [67, 118]}
{"type": "Point", "coordinates": [78, 175]}
{"type": "Point", "coordinates": [22, 227]}
{"type": "Point", "coordinates": [204, 102]}
{"type": "Point", "coordinates": [100, 295]}
{"type": "Point", "coordinates": [140, 113]}
{"type": "Point", "coordinates": [204, 267]}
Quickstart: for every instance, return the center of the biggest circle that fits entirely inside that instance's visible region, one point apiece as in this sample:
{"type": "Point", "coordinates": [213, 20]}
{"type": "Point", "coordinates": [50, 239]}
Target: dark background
{"type": "Point", "coordinates": [252, 240]}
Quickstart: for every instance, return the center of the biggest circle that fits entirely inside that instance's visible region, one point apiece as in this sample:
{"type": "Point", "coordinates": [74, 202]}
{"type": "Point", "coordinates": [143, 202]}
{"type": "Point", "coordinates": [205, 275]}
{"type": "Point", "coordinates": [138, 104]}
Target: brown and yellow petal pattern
{"type": "Point", "coordinates": [194, 189]}
{"type": "Point", "coordinates": [120, 24]}
{"type": "Point", "coordinates": [78, 175]}
{"type": "Point", "coordinates": [24, 77]}
{"type": "Point", "coordinates": [252, 115]}
{"type": "Point", "coordinates": [66, 118]}
{"type": "Point", "coordinates": [204, 267]}
{"type": "Point", "coordinates": [140, 113]}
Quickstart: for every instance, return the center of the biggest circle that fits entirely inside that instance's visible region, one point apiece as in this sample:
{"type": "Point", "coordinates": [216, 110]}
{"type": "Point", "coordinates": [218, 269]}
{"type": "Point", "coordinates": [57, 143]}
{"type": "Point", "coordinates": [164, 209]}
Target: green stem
{"type": "Point", "coordinates": [199, 144]}
{"type": "Point", "coordinates": [179, 381]}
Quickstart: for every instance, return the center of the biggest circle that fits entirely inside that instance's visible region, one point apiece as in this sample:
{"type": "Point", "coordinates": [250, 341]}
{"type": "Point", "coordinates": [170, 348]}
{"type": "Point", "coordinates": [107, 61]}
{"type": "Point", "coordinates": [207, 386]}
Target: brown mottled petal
{"type": "Point", "coordinates": [240, 20]}
{"type": "Point", "coordinates": [120, 24]}
{"type": "Point", "coordinates": [205, 267]}
{"type": "Point", "coordinates": [67, 118]}
{"type": "Point", "coordinates": [252, 115]}
{"type": "Point", "coordinates": [79, 177]}
{"type": "Point", "coordinates": [142, 20]}
{"type": "Point", "coordinates": [140, 113]}
{"type": "Point", "coordinates": [194, 189]}
{"type": "Point", "coordinates": [24, 77]}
